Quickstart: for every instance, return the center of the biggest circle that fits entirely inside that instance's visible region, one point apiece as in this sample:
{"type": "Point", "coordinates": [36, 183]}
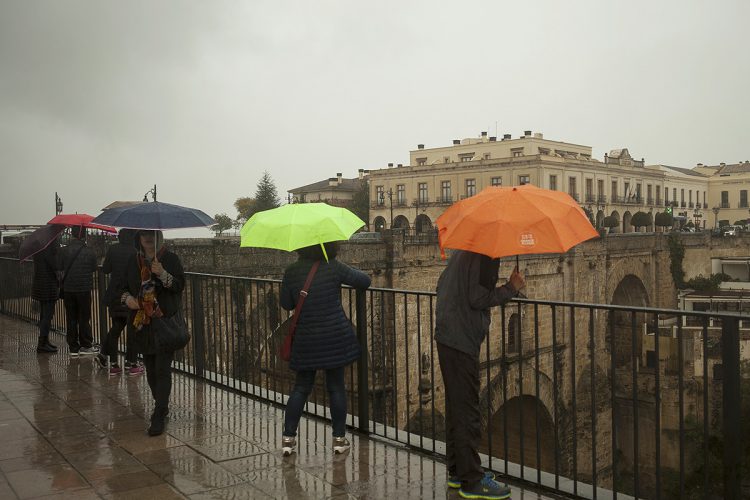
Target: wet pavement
{"type": "Point", "coordinates": [68, 430]}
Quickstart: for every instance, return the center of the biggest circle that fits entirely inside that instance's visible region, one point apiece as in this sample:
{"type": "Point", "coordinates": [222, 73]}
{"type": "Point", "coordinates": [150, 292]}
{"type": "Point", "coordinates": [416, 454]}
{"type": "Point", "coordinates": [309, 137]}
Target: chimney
{"type": "Point", "coordinates": [700, 165]}
{"type": "Point", "coordinates": [493, 138]}
{"type": "Point", "coordinates": [361, 172]}
{"type": "Point", "coordinates": [527, 133]}
{"type": "Point", "coordinates": [339, 177]}
{"type": "Point", "coordinates": [506, 137]}
{"type": "Point", "coordinates": [456, 142]}
{"type": "Point", "coordinates": [400, 165]}
{"type": "Point", "coordinates": [420, 146]}
{"type": "Point", "coordinates": [484, 134]}
{"type": "Point", "coordinates": [390, 165]}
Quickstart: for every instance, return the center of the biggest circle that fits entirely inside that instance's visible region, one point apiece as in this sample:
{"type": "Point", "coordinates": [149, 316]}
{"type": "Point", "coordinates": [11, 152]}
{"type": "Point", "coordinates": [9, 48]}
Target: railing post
{"type": "Point", "coordinates": [730, 360]}
{"type": "Point", "coordinates": [101, 288]}
{"type": "Point", "coordinates": [363, 389]}
{"type": "Point", "coordinates": [197, 324]}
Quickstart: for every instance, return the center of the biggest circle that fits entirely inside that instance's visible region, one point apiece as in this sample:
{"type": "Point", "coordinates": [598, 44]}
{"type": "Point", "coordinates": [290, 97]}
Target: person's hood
{"type": "Point", "coordinates": [137, 239]}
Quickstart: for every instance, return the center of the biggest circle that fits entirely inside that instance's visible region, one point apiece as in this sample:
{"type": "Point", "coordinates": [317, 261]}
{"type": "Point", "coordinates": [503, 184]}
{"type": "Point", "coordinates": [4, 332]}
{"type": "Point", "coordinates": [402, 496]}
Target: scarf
{"type": "Point", "coordinates": [149, 306]}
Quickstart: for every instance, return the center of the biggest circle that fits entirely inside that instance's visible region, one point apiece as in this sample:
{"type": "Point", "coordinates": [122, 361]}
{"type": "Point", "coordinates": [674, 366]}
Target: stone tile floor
{"type": "Point", "coordinates": [67, 430]}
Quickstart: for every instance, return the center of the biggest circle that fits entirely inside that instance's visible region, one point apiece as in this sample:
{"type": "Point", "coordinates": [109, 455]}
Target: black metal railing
{"type": "Point", "coordinates": [586, 400]}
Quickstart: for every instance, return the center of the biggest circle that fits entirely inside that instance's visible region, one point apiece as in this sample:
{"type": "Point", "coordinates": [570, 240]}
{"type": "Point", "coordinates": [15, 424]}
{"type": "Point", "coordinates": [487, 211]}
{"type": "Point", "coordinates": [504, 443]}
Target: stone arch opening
{"type": "Point", "coordinates": [630, 291]}
{"type": "Point", "coordinates": [400, 222]}
{"type": "Point", "coordinates": [599, 218]}
{"type": "Point", "coordinates": [520, 414]}
{"type": "Point", "coordinates": [378, 223]}
{"type": "Point", "coordinates": [422, 223]}
{"type": "Point", "coordinates": [626, 227]}
{"type": "Point", "coordinates": [616, 215]}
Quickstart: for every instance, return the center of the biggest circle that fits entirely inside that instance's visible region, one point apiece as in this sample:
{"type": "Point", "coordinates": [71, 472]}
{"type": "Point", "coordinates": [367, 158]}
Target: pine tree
{"type": "Point", "coordinates": [266, 196]}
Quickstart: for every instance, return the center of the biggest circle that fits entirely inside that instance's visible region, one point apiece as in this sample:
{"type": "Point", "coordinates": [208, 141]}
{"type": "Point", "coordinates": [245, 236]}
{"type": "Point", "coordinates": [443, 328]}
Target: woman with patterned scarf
{"type": "Point", "coordinates": [155, 280]}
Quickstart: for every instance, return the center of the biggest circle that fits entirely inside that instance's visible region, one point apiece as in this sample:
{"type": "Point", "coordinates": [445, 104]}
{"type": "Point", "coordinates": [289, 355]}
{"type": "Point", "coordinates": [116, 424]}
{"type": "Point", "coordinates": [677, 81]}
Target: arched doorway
{"type": "Point", "coordinates": [378, 223]}
{"type": "Point", "coordinates": [626, 227]}
{"type": "Point", "coordinates": [599, 217]}
{"type": "Point", "coordinates": [400, 222]}
{"type": "Point", "coordinates": [616, 215]}
{"type": "Point", "coordinates": [522, 412]}
{"type": "Point", "coordinates": [630, 291]}
{"type": "Point", "coordinates": [422, 223]}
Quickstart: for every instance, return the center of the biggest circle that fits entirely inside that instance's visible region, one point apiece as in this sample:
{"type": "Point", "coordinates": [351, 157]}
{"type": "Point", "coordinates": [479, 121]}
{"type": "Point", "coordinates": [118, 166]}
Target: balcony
{"type": "Point", "coordinates": [590, 198]}
{"type": "Point", "coordinates": [444, 200]}
{"type": "Point", "coordinates": [691, 205]}
{"type": "Point", "coordinates": [602, 198]}
{"type": "Point", "coordinates": [225, 422]}
{"type": "Point", "coordinates": [649, 201]}
{"type": "Point", "coordinates": [724, 204]}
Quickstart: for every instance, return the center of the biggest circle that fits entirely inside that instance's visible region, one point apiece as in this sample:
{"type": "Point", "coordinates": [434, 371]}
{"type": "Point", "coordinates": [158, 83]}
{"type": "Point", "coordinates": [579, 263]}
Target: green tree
{"type": "Point", "coordinates": [266, 196]}
{"type": "Point", "coordinates": [610, 222]}
{"type": "Point", "coordinates": [245, 208]}
{"type": "Point", "coordinates": [641, 219]}
{"type": "Point", "coordinates": [664, 219]}
{"type": "Point", "coordinates": [223, 222]}
{"type": "Point", "coordinates": [361, 201]}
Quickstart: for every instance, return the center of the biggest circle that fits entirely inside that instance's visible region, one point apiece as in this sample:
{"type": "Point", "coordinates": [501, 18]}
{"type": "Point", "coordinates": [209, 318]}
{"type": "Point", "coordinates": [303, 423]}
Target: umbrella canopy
{"type": "Point", "coordinates": [298, 225]}
{"type": "Point", "coordinates": [39, 240]}
{"type": "Point", "coordinates": [504, 221]}
{"type": "Point", "coordinates": [154, 216]}
{"type": "Point", "coordinates": [80, 220]}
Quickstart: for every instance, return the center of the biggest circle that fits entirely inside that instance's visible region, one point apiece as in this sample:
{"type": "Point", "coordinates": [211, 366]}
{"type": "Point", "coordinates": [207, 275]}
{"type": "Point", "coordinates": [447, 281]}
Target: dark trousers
{"type": "Point", "coordinates": [78, 319]}
{"type": "Point", "coordinates": [303, 386]}
{"type": "Point", "coordinates": [109, 342]}
{"type": "Point", "coordinates": [46, 313]}
{"type": "Point", "coordinates": [159, 376]}
{"type": "Point", "coordinates": [462, 427]}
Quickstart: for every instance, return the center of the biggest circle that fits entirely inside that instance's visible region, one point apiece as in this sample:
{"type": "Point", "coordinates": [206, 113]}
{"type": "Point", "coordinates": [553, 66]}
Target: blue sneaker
{"type": "Point", "coordinates": [455, 482]}
{"type": "Point", "coordinates": [486, 489]}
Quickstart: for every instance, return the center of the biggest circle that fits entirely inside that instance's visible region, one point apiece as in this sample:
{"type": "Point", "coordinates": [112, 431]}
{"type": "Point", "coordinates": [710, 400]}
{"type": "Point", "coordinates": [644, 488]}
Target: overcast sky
{"type": "Point", "coordinates": [101, 100]}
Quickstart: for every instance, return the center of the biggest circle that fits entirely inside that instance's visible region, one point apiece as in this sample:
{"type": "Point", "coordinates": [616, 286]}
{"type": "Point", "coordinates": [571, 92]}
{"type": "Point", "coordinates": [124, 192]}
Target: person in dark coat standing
{"type": "Point", "coordinates": [324, 339]}
{"type": "Point", "coordinates": [115, 264]}
{"type": "Point", "coordinates": [78, 263]}
{"type": "Point", "coordinates": [45, 289]}
{"type": "Point", "coordinates": [153, 288]}
{"type": "Point", "coordinates": [466, 290]}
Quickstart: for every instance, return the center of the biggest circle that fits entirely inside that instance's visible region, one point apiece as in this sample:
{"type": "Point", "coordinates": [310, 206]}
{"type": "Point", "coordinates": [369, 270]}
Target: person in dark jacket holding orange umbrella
{"type": "Point", "coordinates": [45, 290]}
{"type": "Point", "coordinates": [465, 292]}
{"type": "Point", "coordinates": [324, 339]}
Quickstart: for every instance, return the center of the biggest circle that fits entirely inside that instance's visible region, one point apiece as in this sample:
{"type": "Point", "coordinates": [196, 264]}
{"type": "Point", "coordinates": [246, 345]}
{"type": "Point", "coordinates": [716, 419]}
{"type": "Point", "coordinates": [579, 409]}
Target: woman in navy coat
{"type": "Point", "coordinates": [324, 339]}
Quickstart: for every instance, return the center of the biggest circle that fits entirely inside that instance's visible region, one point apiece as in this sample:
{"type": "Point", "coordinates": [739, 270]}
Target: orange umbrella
{"type": "Point", "coordinates": [504, 221]}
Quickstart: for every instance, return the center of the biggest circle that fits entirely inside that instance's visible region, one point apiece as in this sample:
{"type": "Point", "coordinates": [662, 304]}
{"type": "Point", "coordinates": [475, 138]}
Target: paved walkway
{"type": "Point", "coordinates": [67, 430]}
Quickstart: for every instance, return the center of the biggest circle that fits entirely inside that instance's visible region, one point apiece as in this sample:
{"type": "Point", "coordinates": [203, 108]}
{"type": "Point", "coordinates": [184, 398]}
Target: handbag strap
{"type": "Point", "coordinates": [303, 295]}
{"type": "Point", "coordinates": [65, 273]}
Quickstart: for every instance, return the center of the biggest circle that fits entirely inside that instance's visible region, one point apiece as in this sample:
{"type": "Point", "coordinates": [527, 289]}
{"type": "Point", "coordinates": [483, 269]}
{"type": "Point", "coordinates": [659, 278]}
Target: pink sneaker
{"type": "Point", "coordinates": [115, 370]}
{"type": "Point", "coordinates": [136, 370]}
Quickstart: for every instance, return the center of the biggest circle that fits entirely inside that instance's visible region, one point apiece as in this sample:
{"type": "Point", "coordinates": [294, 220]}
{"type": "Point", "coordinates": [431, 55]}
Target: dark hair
{"type": "Point", "coordinates": [125, 236]}
{"type": "Point", "coordinates": [78, 232]}
{"type": "Point", "coordinates": [314, 252]}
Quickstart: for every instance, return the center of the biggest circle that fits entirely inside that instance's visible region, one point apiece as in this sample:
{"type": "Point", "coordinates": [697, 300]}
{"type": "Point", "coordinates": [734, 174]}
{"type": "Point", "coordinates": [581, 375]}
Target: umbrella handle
{"type": "Point", "coordinates": [325, 254]}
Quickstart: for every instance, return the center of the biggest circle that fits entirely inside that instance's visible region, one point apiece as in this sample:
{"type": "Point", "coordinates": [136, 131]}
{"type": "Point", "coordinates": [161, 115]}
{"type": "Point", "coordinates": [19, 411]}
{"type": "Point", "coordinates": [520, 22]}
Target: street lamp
{"type": "Point", "coordinates": [389, 193]}
{"type": "Point", "coordinates": [58, 204]}
{"type": "Point", "coordinates": [697, 215]}
{"type": "Point", "coordinates": [152, 192]}
{"type": "Point", "coordinates": [716, 217]}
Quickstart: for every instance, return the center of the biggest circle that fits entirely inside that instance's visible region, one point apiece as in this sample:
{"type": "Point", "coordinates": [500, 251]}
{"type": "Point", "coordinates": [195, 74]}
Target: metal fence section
{"type": "Point", "coordinates": [588, 400]}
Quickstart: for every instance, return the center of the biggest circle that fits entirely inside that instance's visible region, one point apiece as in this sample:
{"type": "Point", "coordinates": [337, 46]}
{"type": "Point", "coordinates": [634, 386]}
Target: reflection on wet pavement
{"type": "Point", "coordinates": [68, 431]}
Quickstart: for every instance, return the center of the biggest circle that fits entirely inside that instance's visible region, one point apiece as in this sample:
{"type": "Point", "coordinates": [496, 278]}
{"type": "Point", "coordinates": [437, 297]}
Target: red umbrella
{"type": "Point", "coordinates": [80, 220]}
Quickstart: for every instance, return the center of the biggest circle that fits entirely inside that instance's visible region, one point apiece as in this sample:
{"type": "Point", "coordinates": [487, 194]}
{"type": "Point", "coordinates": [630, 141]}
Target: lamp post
{"type": "Point", "coordinates": [716, 217]}
{"type": "Point", "coordinates": [388, 193]}
{"type": "Point", "coordinates": [697, 215]}
{"type": "Point", "coordinates": [152, 192]}
{"type": "Point", "coordinates": [58, 204]}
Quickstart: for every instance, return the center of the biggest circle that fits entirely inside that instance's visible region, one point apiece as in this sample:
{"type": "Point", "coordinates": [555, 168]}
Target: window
{"type": "Point", "coordinates": [674, 194]}
{"type": "Point", "coordinates": [690, 196]}
{"type": "Point", "coordinates": [466, 156]}
{"type": "Point", "coordinates": [648, 192]}
{"type": "Point", "coordinates": [573, 188]}
{"type": "Point", "coordinates": [445, 191]}
{"type": "Point", "coordinates": [401, 194]}
{"type": "Point", "coordinates": [682, 196]}
{"type": "Point", "coordinates": [600, 188]}
{"type": "Point", "coordinates": [589, 189]}
{"type": "Point", "coordinates": [704, 197]}
{"type": "Point", "coordinates": [379, 195]}
{"type": "Point", "coordinates": [613, 193]}
{"type": "Point", "coordinates": [544, 151]}
{"type": "Point", "coordinates": [666, 195]}
{"type": "Point", "coordinates": [743, 198]}
{"type": "Point", "coordinates": [486, 156]}
{"type": "Point", "coordinates": [725, 199]}
{"type": "Point", "coordinates": [553, 182]}
{"type": "Point", "coordinates": [471, 187]}
{"type": "Point", "coordinates": [627, 190]}
{"type": "Point", "coordinates": [516, 152]}
{"type": "Point", "coordinates": [422, 192]}
{"type": "Point", "coordinates": [523, 179]}
{"type": "Point", "coordinates": [496, 181]}
{"type": "Point", "coordinates": [638, 191]}
{"type": "Point", "coordinates": [421, 161]}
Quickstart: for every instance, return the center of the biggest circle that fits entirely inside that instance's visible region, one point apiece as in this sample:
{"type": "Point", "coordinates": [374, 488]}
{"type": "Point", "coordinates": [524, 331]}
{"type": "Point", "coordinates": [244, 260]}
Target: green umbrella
{"type": "Point", "coordinates": [299, 225]}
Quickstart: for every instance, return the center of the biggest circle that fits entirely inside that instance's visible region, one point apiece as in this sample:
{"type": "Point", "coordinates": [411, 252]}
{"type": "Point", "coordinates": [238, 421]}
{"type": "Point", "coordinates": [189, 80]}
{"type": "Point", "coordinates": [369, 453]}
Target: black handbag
{"type": "Point", "coordinates": [170, 334]}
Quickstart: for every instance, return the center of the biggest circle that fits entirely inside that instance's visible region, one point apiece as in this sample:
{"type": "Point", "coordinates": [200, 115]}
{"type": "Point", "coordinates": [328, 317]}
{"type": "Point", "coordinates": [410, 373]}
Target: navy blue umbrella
{"type": "Point", "coordinates": [155, 216]}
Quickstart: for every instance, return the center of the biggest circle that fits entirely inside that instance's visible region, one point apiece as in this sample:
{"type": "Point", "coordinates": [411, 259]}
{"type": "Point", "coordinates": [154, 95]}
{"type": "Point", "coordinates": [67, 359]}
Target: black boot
{"type": "Point", "coordinates": [44, 346]}
{"type": "Point", "coordinates": [157, 421]}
